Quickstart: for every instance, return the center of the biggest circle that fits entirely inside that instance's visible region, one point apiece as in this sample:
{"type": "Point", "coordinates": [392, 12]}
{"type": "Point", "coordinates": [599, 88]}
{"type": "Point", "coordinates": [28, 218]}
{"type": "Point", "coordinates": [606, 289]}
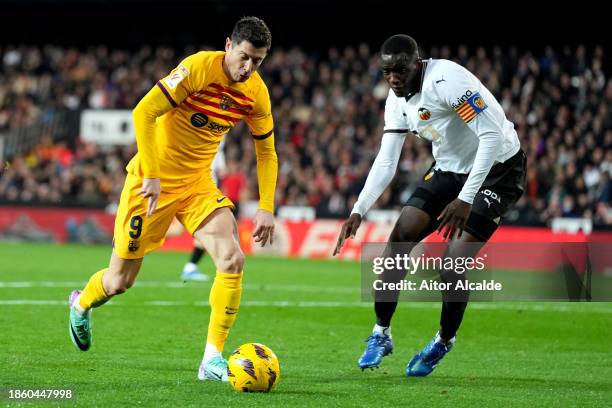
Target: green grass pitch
{"type": "Point", "coordinates": [148, 342]}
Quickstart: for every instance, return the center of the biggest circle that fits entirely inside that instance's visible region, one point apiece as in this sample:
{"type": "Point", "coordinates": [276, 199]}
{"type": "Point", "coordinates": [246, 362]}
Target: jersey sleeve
{"type": "Point", "coordinates": [167, 94]}
{"type": "Point", "coordinates": [382, 172]}
{"type": "Point", "coordinates": [188, 77]}
{"type": "Point", "coordinates": [260, 120]}
{"type": "Point", "coordinates": [261, 124]}
{"type": "Point", "coordinates": [395, 118]}
{"type": "Point", "coordinates": [460, 93]}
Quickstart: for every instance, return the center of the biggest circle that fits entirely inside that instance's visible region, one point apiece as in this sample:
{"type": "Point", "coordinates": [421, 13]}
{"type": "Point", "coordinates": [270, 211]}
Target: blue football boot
{"type": "Point", "coordinates": [427, 359]}
{"type": "Point", "coordinates": [379, 345]}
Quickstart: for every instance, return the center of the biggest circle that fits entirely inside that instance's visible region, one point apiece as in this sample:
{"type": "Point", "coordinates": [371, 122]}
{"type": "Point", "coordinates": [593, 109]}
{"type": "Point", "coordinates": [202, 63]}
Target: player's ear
{"type": "Point", "coordinates": [228, 44]}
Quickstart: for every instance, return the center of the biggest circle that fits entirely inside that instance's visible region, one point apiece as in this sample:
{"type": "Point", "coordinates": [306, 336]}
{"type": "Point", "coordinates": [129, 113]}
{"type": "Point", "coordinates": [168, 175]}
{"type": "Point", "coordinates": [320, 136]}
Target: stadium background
{"type": "Point", "coordinates": [328, 101]}
{"type": "Point", "coordinates": [60, 58]}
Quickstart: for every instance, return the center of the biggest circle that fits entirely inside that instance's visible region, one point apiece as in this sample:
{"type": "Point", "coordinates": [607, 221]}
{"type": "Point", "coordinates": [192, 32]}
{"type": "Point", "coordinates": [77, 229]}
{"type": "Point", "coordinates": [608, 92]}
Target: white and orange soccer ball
{"type": "Point", "coordinates": [253, 367]}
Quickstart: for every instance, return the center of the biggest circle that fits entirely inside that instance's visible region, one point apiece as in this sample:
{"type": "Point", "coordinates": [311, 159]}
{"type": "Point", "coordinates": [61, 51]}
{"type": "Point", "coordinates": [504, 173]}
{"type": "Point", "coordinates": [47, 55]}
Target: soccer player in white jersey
{"type": "Point", "coordinates": [477, 175]}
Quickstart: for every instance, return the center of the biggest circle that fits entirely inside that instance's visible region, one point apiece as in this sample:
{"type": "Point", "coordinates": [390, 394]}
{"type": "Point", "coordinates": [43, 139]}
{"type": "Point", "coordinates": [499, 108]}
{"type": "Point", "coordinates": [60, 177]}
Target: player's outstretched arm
{"type": "Point", "coordinates": [267, 172]}
{"type": "Point", "coordinates": [382, 171]}
{"type": "Point", "coordinates": [151, 188]}
{"type": "Point", "coordinates": [381, 174]}
{"type": "Point", "coordinates": [349, 229]}
{"type": "Point", "coordinates": [263, 231]}
{"type": "Point", "coordinates": [453, 218]}
{"type": "Point", "coordinates": [486, 125]}
{"type": "Point", "coordinates": [152, 105]}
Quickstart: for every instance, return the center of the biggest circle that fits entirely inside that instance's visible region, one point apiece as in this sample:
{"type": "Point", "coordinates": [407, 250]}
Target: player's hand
{"type": "Point", "coordinates": [349, 229]}
{"type": "Point", "coordinates": [151, 188]}
{"type": "Point", "coordinates": [454, 216]}
{"type": "Point", "coordinates": [264, 227]}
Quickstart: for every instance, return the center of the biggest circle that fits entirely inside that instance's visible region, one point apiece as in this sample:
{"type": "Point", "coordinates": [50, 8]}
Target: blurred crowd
{"type": "Point", "coordinates": [328, 111]}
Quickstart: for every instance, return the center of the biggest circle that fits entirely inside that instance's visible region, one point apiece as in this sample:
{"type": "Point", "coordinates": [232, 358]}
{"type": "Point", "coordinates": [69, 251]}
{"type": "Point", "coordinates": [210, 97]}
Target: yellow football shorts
{"type": "Point", "coordinates": [136, 234]}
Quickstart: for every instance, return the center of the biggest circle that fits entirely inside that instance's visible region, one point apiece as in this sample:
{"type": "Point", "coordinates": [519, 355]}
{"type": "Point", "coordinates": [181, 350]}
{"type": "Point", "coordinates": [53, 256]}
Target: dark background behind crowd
{"type": "Point", "coordinates": [328, 101]}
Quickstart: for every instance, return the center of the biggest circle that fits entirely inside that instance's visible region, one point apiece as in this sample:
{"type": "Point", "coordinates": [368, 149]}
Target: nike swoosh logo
{"type": "Point", "coordinates": [208, 374]}
{"type": "Point", "coordinates": [220, 199]}
{"type": "Point", "coordinates": [216, 375]}
{"type": "Point", "coordinates": [442, 80]}
{"type": "Point", "coordinates": [76, 340]}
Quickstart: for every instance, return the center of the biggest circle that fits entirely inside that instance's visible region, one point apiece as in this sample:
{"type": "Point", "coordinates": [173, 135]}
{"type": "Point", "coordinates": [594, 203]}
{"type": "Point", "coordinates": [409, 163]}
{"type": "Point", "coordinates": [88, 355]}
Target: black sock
{"type": "Point", "coordinates": [384, 312]}
{"type": "Point", "coordinates": [454, 302]}
{"type": "Point", "coordinates": [196, 255]}
{"type": "Point", "coordinates": [450, 319]}
{"type": "Point", "coordinates": [385, 301]}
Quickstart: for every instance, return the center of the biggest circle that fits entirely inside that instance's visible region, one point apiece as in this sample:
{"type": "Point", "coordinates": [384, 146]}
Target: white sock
{"type": "Point", "coordinates": [190, 267]}
{"type": "Point", "coordinates": [384, 331]}
{"type": "Point", "coordinates": [77, 306]}
{"type": "Point", "coordinates": [445, 342]}
{"type": "Point", "coordinates": [210, 352]}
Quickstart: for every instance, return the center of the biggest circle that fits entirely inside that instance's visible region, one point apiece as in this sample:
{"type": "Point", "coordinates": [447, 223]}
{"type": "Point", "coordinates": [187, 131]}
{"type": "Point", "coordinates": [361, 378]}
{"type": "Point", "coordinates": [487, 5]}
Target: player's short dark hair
{"type": "Point", "coordinates": [400, 44]}
{"type": "Point", "coordinates": [253, 30]}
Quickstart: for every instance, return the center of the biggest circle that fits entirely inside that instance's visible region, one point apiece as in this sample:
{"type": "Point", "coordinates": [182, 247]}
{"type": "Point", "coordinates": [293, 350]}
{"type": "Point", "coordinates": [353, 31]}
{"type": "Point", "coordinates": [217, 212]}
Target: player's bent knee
{"type": "Point", "coordinates": [405, 235]}
{"type": "Point", "coordinates": [129, 284]}
{"type": "Point", "coordinates": [410, 226]}
{"type": "Point", "coordinates": [116, 284]}
{"type": "Point", "coordinates": [117, 287]}
{"type": "Point", "coordinates": [236, 262]}
{"type": "Point", "coordinates": [398, 235]}
{"type": "Point", "coordinates": [233, 262]}
{"type": "Point", "coordinates": [121, 275]}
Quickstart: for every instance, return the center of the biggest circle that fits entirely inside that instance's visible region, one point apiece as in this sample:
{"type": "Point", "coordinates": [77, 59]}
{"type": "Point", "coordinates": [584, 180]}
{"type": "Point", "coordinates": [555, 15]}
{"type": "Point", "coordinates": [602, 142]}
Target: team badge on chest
{"type": "Point", "coordinates": [225, 103]}
{"type": "Point", "coordinates": [424, 114]}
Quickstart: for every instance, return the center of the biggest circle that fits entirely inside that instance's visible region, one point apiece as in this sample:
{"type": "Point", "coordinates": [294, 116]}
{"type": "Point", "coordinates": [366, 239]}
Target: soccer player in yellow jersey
{"type": "Point", "coordinates": [179, 125]}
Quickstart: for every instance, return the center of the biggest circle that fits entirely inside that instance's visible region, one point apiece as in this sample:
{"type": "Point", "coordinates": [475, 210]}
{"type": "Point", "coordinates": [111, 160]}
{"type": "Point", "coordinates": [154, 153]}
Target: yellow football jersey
{"type": "Point", "coordinates": [206, 106]}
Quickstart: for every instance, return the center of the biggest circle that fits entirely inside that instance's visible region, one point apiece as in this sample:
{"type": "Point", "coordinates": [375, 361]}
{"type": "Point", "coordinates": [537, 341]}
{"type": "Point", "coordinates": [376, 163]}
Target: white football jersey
{"type": "Point", "coordinates": [451, 110]}
{"type": "Point", "coordinates": [467, 127]}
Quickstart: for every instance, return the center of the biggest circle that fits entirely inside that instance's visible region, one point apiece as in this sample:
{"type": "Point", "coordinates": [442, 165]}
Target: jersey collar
{"type": "Point", "coordinates": [423, 69]}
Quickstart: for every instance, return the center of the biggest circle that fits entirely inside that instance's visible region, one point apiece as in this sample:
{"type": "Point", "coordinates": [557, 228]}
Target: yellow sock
{"type": "Point", "coordinates": [224, 302]}
{"type": "Point", "coordinates": [94, 294]}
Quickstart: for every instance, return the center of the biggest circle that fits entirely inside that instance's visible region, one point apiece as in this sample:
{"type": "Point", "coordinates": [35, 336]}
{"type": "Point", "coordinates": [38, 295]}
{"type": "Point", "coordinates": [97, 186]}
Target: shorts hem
{"type": "Point", "coordinates": [207, 214]}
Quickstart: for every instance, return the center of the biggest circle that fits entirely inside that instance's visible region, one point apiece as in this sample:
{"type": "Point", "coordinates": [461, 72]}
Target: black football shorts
{"type": "Point", "coordinates": [501, 189]}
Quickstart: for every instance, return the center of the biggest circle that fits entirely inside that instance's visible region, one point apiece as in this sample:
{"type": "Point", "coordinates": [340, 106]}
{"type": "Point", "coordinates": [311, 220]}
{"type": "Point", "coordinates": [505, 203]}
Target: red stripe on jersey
{"type": "Point", "coordinates": [231, 92]}
{"type": "Point", "coordinates": [463, 108]}
{"type": "Point", "coordinates": [220, 95]}
{"type": "Point", "coordinates": [469, 117]}
{"type": "Point", "coordinates": [465, 111]}
{"type": "Point", "coordinates": [216, 105]}
{"type": "Point", "coordinates": [213, 114]}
